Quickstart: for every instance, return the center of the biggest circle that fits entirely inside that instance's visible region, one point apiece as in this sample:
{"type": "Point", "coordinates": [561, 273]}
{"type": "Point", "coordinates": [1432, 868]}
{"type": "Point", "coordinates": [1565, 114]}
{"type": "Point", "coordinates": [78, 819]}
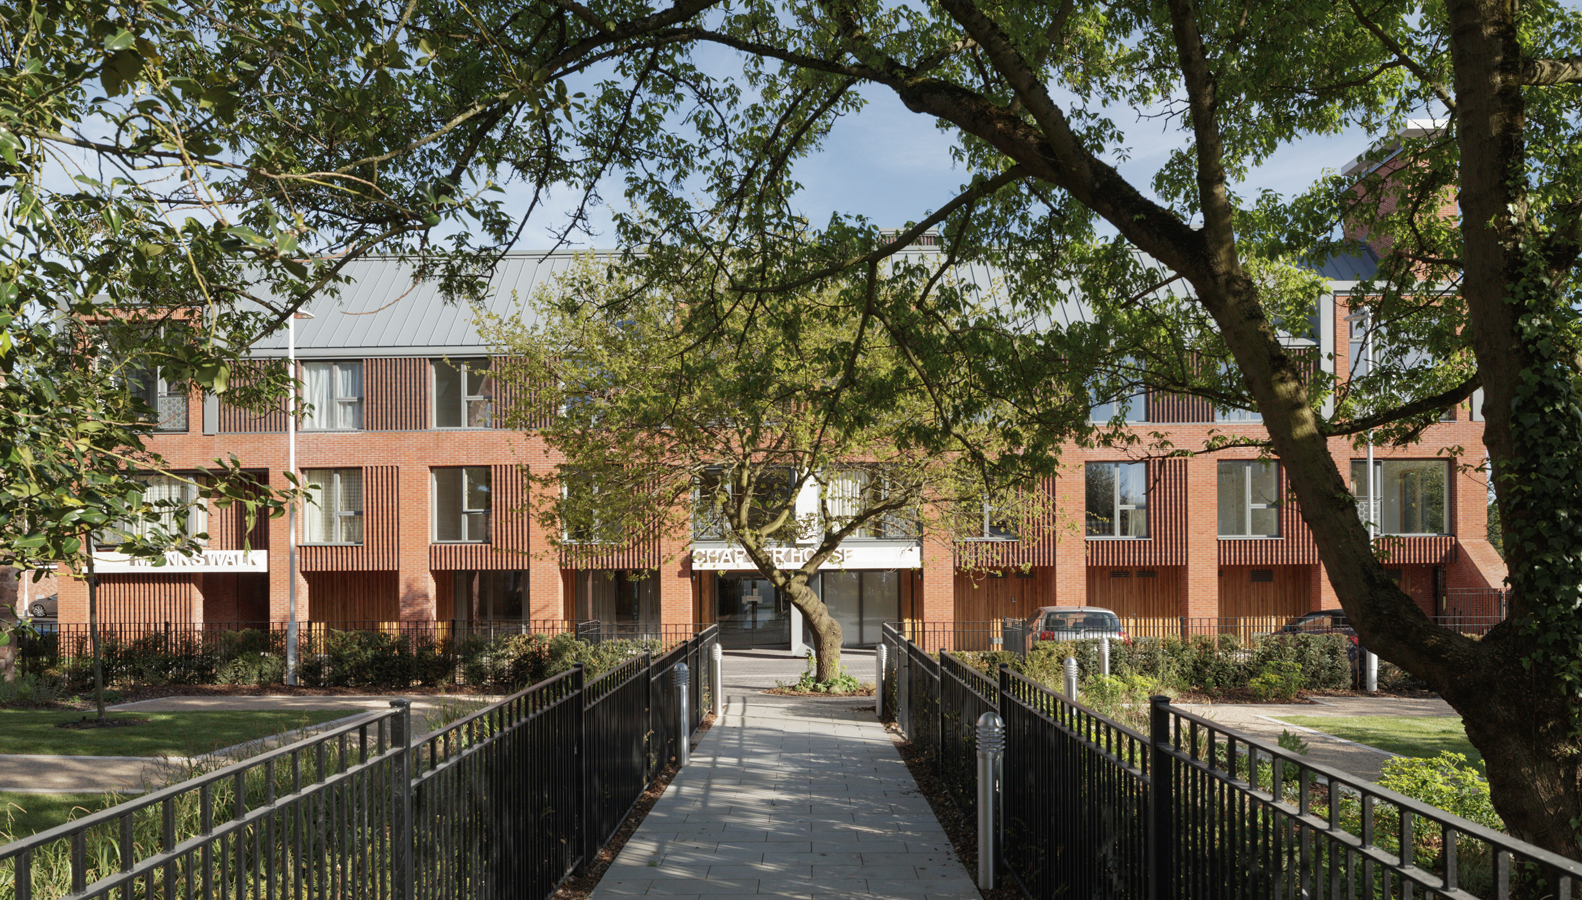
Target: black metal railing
{"type": "Point", "coordinates": [505, 802]}
{"type": "Point", "coordinates": [1092, 808]}
{"type": "Point", "coordinates": [1011, 634]}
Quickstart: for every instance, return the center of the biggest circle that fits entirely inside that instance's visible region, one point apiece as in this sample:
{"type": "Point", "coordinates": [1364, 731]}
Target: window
{"type": "Point", "coordinates": [1237, 415]}
{"type": "Point", "coordinates": [997, 526]}
{"type": "Point", "coordinates": [1411, 494]}
{"type": "Point", "coordinates": [334, 390]}
{"type": "Point", "coordinates": [581, 493]}
{"type": "Point", "coordinates": [168, 399]}
{"type": "Point", "coordinates": [170, 498]}
{"type": "Point", "coordinates": [461, 504]}
{"type": "Point", "coordinates": [1117, 500]}
{"type": "Point", "coordinates": [462, 391]}
{"type": "Point", "coordinates": [336, 516]}
{"type": "Point", "coordinates": [716, 486]}
{"type": "Point", "coordinates": [1249, 494]}
{"type": "Point", "coordinates": [849, 492]}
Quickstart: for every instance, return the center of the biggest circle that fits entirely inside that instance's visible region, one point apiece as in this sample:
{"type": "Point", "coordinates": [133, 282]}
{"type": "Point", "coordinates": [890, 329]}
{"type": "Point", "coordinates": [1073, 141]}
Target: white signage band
{"type": "Point", "coordinates": [723, 558]}
{"type": "Point", "coordinates": [175, 562]}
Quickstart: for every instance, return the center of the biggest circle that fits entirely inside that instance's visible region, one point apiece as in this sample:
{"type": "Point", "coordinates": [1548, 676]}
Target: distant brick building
{"type": "Point", "coordinates": [422, 507]}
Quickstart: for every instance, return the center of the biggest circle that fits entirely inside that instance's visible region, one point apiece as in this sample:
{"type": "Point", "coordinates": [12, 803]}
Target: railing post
{"type": "Point", "coordinates": [1183, 628]}
{"type": "Point", "coordinates": [1071, 678]}
{"type": "Point", "coordinates": [991, 757]}
{"type": "Point", "coordinates": [402, 842]}
{"type": "Point", "coordinates": [903, 688]}
{"type": "Point", "coordinates": [1161, 802]}
{"type": "Point", "coordinates": [590, 850]}
{"type": "Point", "coordinates": [683, 721]}
{"type": "Point", "coordinates": [878, 680]}
{"type": "Point", "coordinates": [717, 681]}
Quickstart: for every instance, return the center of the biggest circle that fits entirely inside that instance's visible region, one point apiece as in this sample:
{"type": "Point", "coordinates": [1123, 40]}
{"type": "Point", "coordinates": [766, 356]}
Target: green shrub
{"type": "Point", "coordinates": [253, 668]}
{"type": "Point", "coordinates": [1279, 680]}
{"type": "Point", "coordinates": [31, 689]}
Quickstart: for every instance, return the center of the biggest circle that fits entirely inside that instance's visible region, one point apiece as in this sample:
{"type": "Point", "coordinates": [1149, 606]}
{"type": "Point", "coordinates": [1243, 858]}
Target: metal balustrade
{"type": "Point", "coordinates": [1193, 809]}
{"type": "Point", "coordinates": [505, 802]}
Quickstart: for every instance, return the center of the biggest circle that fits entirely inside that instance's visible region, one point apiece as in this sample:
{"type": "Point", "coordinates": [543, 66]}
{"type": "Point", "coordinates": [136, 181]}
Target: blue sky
{"type": "Point", "coordinates": [893, 165]}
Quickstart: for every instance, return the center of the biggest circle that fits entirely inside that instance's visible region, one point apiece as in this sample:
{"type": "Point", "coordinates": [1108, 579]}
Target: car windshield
{"type": "Point", "coordinates": [1080, 621]}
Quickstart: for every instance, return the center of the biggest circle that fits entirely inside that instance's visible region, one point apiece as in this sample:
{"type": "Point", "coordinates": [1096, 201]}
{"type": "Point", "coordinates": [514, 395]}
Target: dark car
{"type": "Point", "coordinates": [1323, 621]}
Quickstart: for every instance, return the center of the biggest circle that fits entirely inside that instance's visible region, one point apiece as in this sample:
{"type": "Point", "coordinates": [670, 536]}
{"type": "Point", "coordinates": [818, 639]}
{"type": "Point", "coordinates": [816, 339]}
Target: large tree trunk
{"type": "Point", "coordinates": [827, 634]}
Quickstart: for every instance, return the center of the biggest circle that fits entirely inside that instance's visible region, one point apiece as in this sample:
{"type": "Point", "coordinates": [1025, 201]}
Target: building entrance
{"type": "Point", "coordinates": [751, 613]}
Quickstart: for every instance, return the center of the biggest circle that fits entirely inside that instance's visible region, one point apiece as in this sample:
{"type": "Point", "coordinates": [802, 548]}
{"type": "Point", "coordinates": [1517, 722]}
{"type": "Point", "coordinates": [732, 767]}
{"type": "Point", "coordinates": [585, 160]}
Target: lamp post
{"type": "Point", "coordinates": [291, 506]}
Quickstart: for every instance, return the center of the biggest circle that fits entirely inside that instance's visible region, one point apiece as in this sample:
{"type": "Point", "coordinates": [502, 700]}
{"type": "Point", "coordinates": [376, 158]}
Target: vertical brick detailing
{"type": "Point", "coordinates": [381, 546]}
{"type": "Point", "coordinates": [396, 394]}
{"type": "Point", "coordinates": [228, 527]}
{"type": "Point", "coordinates": [1178, 408]}
{"type": "Point", "coordinates": [1034, 547]}
{"type": "Point", "coordinates": [1167, 522]}
{"type": "Point", "coordinates": [1433, 550]}
{"type": "Point", "coordinates": [509, 530]}
{"type": "Point", "coordinates": [512, 398]}
{"type": "Point", "coordinates": [236, 420]}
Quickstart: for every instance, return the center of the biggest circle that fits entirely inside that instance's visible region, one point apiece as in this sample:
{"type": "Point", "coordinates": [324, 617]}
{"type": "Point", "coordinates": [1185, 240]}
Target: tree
{"type": "Point", "coordinates": [1029, 92]}
{"type": "Point", "coordinates": [783, 429]}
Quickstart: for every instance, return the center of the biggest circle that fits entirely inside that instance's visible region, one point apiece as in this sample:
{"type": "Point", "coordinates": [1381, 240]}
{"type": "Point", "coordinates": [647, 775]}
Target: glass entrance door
{"type": "Point", "coordinates": [751, 613]}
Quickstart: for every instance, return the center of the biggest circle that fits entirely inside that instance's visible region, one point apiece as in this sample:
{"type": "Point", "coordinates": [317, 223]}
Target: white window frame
{"type": "Point", "coordinates": [340, 405]}
{"type": "Point", "coordinates": [197, 513]}
{"type": "Point", "coordinates": [1116, 506]}
{"type": "Point", "coordinates": [341, 517]}
{"type": "Point", "coordinates": [463, 367]}
{"type": "Point", "coordinates": [1245, 467]}
{"type": "Point", "coordinates": [487, 512]}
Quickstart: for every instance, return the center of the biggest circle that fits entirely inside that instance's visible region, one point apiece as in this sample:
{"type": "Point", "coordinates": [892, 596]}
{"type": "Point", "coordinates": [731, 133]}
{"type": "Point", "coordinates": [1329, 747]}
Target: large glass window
{"type": "Point", "coordinates": [168, 399]}
{"type": "Point", "coordinates": [1411, 495]}
{"type": "Point", "coordinates": [489, 597]}
{"type": "Point", "coordinates": [334, 391]}
{"type": "Point", "coordinates": [1249, 498]}
{"type": "Point", "coordinates": [170, 498]}
{"type": "Point", "coordinates": [716, 486]}
{"type": "Point", "coordinates": [847, 493]}
{"type": "Point", "coordinates": [861, 602]}
{"type": "Point", "coordinates": [336, 514]}
{"type": "Point", "coordinates": [1117, 500]}
{"type": "Point", "coordinates": [461, 504]}
{"type": "Point", "coordinates": [463, 393]}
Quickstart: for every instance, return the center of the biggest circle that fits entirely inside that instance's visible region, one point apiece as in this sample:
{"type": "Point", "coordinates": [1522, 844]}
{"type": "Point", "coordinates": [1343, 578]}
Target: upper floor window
{"type": "Point", "coordinates": [170, 499]}
{"type": "Point", "coordinates": [461, 504]}
{"type": "Point", "coordinates": [1117, 499]}
{"type": "Point", "coordinates": [334, 391]}
{"type": "Point", "coordinates": [1411, 496]}
{"type": "Point", "coordinates": [168, 399]}
{"type": "Point", "coordinates": [1237, 415]}
{"type": "Point", "coordinates": [1249, 498]}
{"type": "Point", "coordinates": [849, 493]}
{"type": "Point", "coordinates": [771, 488]}
{"type": "Point", "coordinates": [462, 389]}
{"type": "Point", "coordinates": [336, 515]}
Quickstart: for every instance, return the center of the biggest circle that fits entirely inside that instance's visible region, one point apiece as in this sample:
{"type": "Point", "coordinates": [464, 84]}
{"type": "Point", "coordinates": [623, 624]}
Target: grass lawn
{"type": "Point", "coordinates": [1405, 735]}
{"type": "Point", "coordinates": [25, 814]}
{"type": "Point", "coordinates": [164, 734]}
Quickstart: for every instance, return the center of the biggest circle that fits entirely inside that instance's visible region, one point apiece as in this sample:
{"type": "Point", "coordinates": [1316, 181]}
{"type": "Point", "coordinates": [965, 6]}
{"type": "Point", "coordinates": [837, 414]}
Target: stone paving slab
{"type": "Point", "coordinates": [793, 798]}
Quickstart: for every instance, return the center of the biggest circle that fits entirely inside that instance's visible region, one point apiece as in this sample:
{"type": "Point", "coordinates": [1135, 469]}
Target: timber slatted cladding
{"type": "Point", "coordinates": [235, 420]}
{"type": "Point", "coordinates": [509, 526]}
{"type": "Point", "coordinates": [396, 393]}
{"type": "Point", "coordinates": [1166, 544]}
{"type": "Point", "coordinates": [381, 546]}
{"type": "Point", "coordinates": [147, 599]}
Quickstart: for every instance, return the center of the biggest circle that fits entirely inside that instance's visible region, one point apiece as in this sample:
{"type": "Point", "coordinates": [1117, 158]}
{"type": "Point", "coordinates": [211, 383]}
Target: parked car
{"type": "Point", "coordinates": [44, 607]}
{"type": "Point", "coordinates": [1074, 623]}
{"type": "Point", "coordinates": [1330, 621]}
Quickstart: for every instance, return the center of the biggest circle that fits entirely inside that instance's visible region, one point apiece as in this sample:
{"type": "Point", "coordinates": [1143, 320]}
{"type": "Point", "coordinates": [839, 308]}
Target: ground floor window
{"type": "Point", "coordinates": [494, 597]}
{"type": "Point", "coordinates": [861, 602]}
{"type": "Point", "coordinates": [618, 597]}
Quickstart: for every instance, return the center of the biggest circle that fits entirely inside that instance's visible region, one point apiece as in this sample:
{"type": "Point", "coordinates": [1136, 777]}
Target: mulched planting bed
{"type": "Point", "coordinates": [578, 887]}
{"type": "Point", "coordinates": [820, 695]}
{"type": "Point", "coordinates": [960, 825]}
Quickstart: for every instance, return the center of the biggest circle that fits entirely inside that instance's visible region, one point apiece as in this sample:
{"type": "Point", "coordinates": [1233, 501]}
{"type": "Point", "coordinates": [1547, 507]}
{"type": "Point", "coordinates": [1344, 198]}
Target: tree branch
{"type": "Point", "coordinates": [1417, 407]}
{"type": "Point", "coordinates": [1567, 70]}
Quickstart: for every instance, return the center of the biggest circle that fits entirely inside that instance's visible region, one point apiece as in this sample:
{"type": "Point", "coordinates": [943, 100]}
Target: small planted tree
{"type": "Point", "coordinates": [786, 433]}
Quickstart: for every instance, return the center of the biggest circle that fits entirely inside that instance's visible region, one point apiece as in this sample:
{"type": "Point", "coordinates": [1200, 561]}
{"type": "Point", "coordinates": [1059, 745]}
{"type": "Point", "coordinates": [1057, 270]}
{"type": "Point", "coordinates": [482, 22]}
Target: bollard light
{"type": "Point", "coordinates": [717, 683]}
{"type": "Point", "coordinates": [991, 757]}
{"type": "Point", "coordinates": [683, 721]}
{"type": "Point", "coordinates": [878, 680]}
{"type": "Point", "coordinates": [1104, 656]}
{"type": "Point", "coordinates": [1071, 678]}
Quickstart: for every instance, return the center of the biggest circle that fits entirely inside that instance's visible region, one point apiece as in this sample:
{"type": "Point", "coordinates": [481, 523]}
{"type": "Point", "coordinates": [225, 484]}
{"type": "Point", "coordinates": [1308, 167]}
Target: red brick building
{"type": "Point", "coordinates": [422, 514]}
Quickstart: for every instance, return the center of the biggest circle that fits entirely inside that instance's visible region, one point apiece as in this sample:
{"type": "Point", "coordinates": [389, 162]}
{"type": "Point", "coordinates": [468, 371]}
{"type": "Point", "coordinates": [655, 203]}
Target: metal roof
{"type": "Point", "coordinates": [383, 311]}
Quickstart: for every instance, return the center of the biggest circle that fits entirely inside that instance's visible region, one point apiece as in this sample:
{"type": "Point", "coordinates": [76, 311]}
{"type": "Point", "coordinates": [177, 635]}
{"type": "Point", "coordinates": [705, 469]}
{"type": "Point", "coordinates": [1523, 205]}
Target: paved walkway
{"type": "Point", "coordinates": [788, 797]}
{"type": "Point", "coordinates": [1264, 721]}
